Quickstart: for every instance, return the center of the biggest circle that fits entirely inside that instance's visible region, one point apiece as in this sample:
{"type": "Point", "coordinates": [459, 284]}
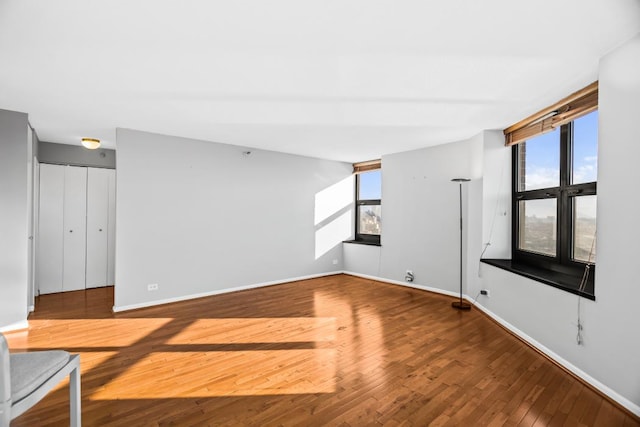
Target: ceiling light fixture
{"type": "Point", "coordinates": [91, 143]}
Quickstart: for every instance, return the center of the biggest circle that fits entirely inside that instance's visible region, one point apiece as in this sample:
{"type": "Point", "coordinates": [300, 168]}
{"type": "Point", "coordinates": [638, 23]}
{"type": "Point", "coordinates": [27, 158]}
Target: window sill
{"type": "Point", "coordinates": [361, 242]}
{"type": "Point", "coordinates": [566, 282]}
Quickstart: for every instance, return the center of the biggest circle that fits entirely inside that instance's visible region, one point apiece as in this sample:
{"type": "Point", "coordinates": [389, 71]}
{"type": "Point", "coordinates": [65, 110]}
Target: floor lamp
{"type": "Point", "coordinates": [459, 304]}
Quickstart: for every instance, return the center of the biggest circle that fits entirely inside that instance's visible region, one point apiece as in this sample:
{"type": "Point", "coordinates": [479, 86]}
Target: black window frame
{"type": "Point", "coordinates": [373, 239]}
{"type": "Point", "coordinates": [562, 264]}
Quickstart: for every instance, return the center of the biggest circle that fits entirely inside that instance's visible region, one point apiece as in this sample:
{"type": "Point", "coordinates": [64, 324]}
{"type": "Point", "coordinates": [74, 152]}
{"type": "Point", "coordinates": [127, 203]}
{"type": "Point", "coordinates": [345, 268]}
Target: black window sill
{"type": "Point", "coordinates": [566, 282]}
{"type": "Point", "coordinates": [362, 242]}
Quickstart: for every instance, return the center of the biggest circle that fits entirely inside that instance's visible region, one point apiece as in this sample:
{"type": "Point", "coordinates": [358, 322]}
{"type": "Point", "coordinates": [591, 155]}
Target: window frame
{"type": "Point", "coordinates": [564, 193]}
{"type": "Point", "coordinates": [373, 239]}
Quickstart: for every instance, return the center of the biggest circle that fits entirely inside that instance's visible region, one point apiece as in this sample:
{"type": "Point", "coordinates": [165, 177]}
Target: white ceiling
{"type": "Point", "coordinates": [347, 80]}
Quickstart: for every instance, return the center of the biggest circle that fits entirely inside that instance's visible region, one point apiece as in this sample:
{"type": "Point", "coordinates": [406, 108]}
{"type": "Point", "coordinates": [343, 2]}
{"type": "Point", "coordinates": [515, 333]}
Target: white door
{"type": "Point", "coordinates": [50, 229]}
{"type": "Point", "coordinates": [97, 227]}
{"type": "Point", "coordinates": [75, 228]}
{"type": "Point", "coordinates": [111, 256]}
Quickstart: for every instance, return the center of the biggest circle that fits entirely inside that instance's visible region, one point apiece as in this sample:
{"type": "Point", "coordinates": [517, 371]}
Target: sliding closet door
{"type": "Point", "coordinates": [97, 227]}
{"type": "Point", "coordinates": [50, 229]}
{"type": "Point", "coordinates": [75, 228]}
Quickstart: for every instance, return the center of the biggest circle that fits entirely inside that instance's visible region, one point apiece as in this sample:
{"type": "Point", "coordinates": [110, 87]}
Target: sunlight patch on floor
{"type": "Point", "coordinates": [257, 330]}
{"type": "Point", "coordinates": [122, 332]}
{"type": "Point", "coordinates": [211, 374]}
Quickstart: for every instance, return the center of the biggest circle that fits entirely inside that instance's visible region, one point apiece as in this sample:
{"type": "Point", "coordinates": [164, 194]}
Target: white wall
{"type": "Point", "coordinates": [199, 217]}
{"type": "Point", "coordinates": [415, 186]}
{"type": "Point", "coordinates": [611, 350]}
{"type": "Point", "coordinates": [362, 259]}
{"type": "Point", "coordinates": [496, 189]}
{"type": "Point", "coordinates": [76, 155]}
{"type": "Point", "coordinates": [13, 220]}
{"type": "Point", "coordinates": [492, 229]}
{"type": "Point", "coordinates": [613, 321]}
{"type": "Point", "coordinates": [420, 216]}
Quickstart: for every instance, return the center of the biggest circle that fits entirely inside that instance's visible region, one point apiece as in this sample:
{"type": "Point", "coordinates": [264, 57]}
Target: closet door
{"type": "Point", "coordinates": [50, 245]}
{"type": "Point", "coordinates": [75, 228]}
{"type": "Point", "coordinates": [97, 227]}
{"type": "Point", "coordinates": [111, 245]}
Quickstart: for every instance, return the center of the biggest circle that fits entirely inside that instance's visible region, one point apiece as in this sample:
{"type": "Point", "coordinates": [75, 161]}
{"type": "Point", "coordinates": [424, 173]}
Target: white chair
{"type": "Point", "coordinates": [28, 377]}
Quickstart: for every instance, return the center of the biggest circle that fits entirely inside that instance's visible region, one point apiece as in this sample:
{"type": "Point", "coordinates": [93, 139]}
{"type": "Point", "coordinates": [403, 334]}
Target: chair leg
{"type": "Point", "coordinates": [75, 398]}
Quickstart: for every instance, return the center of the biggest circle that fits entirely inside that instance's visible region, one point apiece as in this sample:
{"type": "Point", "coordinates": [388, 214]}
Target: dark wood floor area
{"type": "Point", "coordinates": [335, 351]}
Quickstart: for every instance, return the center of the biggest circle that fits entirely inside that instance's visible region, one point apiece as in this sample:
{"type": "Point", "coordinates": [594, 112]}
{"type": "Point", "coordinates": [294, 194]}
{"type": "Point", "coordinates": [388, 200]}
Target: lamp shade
{"type": "Point", "coordinates": [91, 143]}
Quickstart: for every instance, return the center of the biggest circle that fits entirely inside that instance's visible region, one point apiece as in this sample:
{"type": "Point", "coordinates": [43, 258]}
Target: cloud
{"type": "Point", "coordinates": [542, 178]}
{"type": "Point", "coordinates": [587, 171]}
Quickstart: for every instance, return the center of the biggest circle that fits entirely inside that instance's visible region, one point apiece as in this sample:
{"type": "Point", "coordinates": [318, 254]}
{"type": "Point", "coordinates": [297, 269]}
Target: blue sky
{"type": "Point", "coordinates": [585, 146]}
{"type": "Point", "coordinates": [543, 159]}
{"type": "Point", "coordinates": [371, 185]}
{"type": "Point", "coordinates": [543, 155]}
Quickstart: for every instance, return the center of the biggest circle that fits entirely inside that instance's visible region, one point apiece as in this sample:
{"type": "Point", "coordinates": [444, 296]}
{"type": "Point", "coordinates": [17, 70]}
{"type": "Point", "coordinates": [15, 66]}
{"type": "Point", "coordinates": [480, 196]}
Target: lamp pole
{"type": "Point", "coordinates": [460, 305]}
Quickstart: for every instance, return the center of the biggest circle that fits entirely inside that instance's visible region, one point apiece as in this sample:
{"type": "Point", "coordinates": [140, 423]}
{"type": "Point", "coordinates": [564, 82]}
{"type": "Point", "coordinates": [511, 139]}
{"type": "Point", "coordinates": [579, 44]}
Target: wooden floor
{"type": "Point", "coordinates": [335, 351]}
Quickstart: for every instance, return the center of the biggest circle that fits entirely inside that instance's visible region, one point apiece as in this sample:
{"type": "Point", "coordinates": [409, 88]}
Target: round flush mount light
{"type": "Point", "coordinates": [91, 143]}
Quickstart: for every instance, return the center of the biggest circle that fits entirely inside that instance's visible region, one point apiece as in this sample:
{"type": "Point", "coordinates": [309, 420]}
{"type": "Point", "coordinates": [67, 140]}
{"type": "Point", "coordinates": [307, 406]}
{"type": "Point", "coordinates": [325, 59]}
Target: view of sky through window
{"type": "Point", "coordinates": [542, 161]}
{"type": "Point", "coordinates": [539, 168]}
{"type": "Point", "coordinates": [371, 185]}
{"type": "Point", "coordinates": [585, 148]}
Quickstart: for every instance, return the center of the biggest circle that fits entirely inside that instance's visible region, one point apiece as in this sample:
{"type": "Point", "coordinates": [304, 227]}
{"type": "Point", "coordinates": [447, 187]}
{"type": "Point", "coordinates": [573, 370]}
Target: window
{"type": "Point", "coordinates": [368, 206]}
{"type": "Point", "coordinates": [554, 200]}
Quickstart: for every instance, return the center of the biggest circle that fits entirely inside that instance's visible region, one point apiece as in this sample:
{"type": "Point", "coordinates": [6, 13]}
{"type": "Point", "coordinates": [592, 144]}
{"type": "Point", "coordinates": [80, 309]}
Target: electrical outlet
{"type": "Point", "coordinates": [335, 262]}
{"type": "Point", "coordinates": [152, 287]}
{"type": "Point", "coordinates": [485, 292]}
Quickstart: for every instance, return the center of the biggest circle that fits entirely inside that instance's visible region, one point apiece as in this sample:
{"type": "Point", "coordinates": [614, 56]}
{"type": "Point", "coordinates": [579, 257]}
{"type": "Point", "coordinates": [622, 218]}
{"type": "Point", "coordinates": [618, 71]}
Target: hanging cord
{"type": "Point", "coordinates": [476, 299]}
{"type": "Point", "coordinates": [583, 284]}
{"type": "Point", "coordinates": [486, 245]}
{"type": "Point", "coordinates": [379, 260]}
{"type": "Point", "coordinates": [495, 210]}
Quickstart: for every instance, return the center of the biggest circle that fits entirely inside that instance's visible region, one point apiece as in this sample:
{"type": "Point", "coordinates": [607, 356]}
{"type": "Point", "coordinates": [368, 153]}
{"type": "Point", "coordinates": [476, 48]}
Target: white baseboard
{"type": "Point", "coordinates": [32, 308]}
{"type": "Point", "coordinates": [626, 403]}
{"type": "Point", "coordinates": [407, 284]}
{"type": "Point", "coordinates": [145, 304]}
{"type": "Point", "coordinates": [23, 324]}
{"type": "Point", "coordinates": [623, 401]}
{"type": "Point", "coordinates": [632, 407]}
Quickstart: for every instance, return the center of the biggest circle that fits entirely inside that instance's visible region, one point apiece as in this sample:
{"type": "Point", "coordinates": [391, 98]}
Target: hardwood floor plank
{"type": "Point", "coordinates": [334, 351]}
